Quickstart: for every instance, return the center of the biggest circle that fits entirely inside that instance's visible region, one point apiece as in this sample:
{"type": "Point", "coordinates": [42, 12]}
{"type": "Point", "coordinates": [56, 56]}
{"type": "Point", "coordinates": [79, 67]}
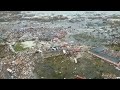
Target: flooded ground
{"type": "Point", "coordinates": [34, 32]}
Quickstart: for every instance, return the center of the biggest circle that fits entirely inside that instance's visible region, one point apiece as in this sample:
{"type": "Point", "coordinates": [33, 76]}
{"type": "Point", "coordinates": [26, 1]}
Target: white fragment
{"type": "Point", "coordinates": [13, 43]}
{"type": "Point", "coordinates": [62, 61]}
{"type": "Point", "coordinates": [117, 68]}
{"type": "Point", "coordinates": [64, 51]}
{"type": "Point", "coordinates": [118, 77]}
{"type": "Point", "coordinates": [13, 62]}
{"type": "Point", "coordinates": [60, 72]}
{"type": "Point", "coordinates": [11, 48]}
{"type": "Point", "coordinates": [9, 70]}
{"type": "Point", "coordinates": [12, 77]}
{"type": "Point", "coordinates": [75, 60]}
{"type": "Point", "coordinates": [39, 51]}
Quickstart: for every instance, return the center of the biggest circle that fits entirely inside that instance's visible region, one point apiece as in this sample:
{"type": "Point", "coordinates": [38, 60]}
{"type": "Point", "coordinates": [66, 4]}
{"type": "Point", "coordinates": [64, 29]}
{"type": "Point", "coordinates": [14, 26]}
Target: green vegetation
{"type": "Point", "coordinates": [56, 67]}
{"type": "Point", "coordinates": [88, 40]}
{"type": "Point", "coordinates": [18, 47]}
{"type": "Point", "coordinates": [2, 51]}
{"type": "Point", "coordinates": [83, 36]}
{"type": "Point", "coordinates": [1, 40]}
{"type": "Point", "coordinates": [115, 47]}
{"type": "Point", "coordinates": [59, 67]}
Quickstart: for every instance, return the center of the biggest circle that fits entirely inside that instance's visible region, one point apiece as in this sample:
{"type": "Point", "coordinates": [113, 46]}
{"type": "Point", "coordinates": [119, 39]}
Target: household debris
{"type": "Point", "coordinates": [39, 37]}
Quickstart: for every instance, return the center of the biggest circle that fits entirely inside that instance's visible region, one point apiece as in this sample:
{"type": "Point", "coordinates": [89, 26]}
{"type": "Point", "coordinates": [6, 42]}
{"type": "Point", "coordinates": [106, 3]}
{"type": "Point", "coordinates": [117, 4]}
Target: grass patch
{"type": "Point", "coordinates": [2, 51]}
{"type": "Point", "coordinates": [82, 36]}
{"type": "Point", "coordinates": [88, 40]}
{"type": "Point", "coordinates": [19, 47]}
{"type": "Point", "coordinates": [56, 67]}
{"type": "Point", "coordinates": [115, 47]}
{"type": "Point", "coordinates": [59, 67]}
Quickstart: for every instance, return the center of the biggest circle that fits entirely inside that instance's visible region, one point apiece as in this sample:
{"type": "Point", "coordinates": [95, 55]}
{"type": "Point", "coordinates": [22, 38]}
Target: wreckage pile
{"type": "Point", "coordinates": [17, 66]}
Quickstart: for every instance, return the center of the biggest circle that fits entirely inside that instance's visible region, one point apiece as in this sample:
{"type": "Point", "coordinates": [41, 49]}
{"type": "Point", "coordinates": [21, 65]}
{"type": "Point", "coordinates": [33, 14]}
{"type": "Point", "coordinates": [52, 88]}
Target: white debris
{"type": "Point", "coordinates": [11, 48]}
{"type": "Point", "coordinates": [12, 43]}
{"type": "Point", "coordinates": [1, 64]}
{"type": "Point", "coordinates": [117, 77]}
{"type": "Point", "coordinates": [12, 77]}
{"type": "Point", "coordinates": [64, 51]}
{"type": "Point", "coordinates": [39, 51]}
{"type": "Point", "coordinates": [9, 70]}
{"type": "Point", "coordinates": [117, 68]}
{"type": "Point", "coordinates": [62, 61]}
{"type": "Point", "coordinates": [53, 48]}
{"type": "Point", "coordinates": [60, 72]}
{"type": "Point", "coordinates": [75, 60]}
{"type": "Point", "coordinates": [13, 62]}
{"type": "Point", "coordinates": [28, 44]}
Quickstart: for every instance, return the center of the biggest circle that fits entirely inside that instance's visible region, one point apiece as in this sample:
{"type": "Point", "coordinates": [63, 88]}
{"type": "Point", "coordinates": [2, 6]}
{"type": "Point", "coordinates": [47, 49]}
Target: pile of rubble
{"type": "Point", "coordinates": [18, 66]}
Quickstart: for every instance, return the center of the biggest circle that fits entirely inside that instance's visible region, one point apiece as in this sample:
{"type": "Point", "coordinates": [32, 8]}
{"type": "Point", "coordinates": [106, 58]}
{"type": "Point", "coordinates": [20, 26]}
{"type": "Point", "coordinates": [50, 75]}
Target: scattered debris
{"type": "Point", "coordinates": [117, 68]}
{"type": "Point", "coordinates": [75, 60]}
{"type": "Point", "coordinates": [9, 70]}
{"type": "Point", "coordinates": [79, 77]}
{"type": "Point", "coordinates": [64, 51]}
{"type": "Point", "coordinates": [36, 41]}
{"type": "Point", "coordinates": [117, 77]}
